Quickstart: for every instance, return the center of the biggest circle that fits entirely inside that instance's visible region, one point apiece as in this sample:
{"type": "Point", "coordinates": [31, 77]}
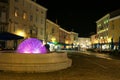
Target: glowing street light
{"type": "Point", "coordinates": [53, 39]}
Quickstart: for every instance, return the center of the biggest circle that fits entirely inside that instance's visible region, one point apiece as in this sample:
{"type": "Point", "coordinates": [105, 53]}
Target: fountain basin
{"type": "Point", "coordinates": [34, 62]}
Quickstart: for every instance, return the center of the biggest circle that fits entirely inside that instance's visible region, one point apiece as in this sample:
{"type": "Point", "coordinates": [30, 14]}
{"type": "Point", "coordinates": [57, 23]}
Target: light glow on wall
{"type": "Point", "coordinates": [66, 41]}
{"type": "Point", "coordinates": [53, 39]}
{"type": "Point", "coordinates": [21, 33]}
{"type": "Point", "coordinates": [101, 31]}
{"type": "Point", "coordinates": [109, 39]}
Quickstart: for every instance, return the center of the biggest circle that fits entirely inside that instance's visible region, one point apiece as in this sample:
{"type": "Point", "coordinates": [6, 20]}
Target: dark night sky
{"type": "Point", "coordinates": [78, 15]}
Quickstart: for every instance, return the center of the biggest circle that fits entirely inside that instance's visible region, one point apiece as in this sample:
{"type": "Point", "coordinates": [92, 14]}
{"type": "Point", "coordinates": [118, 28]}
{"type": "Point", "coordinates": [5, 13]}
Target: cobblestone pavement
{"type": "Point", "coordinates": [84, 67]}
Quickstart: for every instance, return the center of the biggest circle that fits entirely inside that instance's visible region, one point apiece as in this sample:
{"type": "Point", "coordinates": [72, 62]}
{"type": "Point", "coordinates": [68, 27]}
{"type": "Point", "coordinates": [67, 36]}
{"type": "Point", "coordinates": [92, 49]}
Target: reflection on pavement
{"type": "Point", "coordinates": [100, 55]}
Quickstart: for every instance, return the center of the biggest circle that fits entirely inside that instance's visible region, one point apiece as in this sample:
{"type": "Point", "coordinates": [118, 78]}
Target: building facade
{"type": "Point", "coordinates": [74, 39]}
{"type": "Point", "coordinates": [59, 37]}
{"type": "Point", "coordinates": [107, 37]}
{"type": "Point", "coordinates": [102, 32]}
{"type": "Point", "coordinates": [28, 19]}
{"type": "Point", "coordinates": [23, 17]}
{"type": "Point", "coordinates": [52, 31]}
{"type": "Point", "coordinates": [114, 31]}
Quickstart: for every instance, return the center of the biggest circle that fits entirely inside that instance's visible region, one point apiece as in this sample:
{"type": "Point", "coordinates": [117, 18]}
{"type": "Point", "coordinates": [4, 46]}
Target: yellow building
{"type": "Point", "coordinates": [60, 36]}
{"type": "Point", "coordinates": [52, 31]}
{"type": "Point", "coordinates": [102, 32]}
{"type": "Point", "coordinates": [74, 37]}
{"type": "Point", "coordinates": [57, 35]}
{"type": "Point", "coordinates": [65, 38]}
{"type": "Point", "coordinates": [114, 30]}
{"type": "Point", "coordinates": [52, 34]}
{"type": "Point", "coordinates": [94, 39]}
{"type": "Point", "coordinates": [22, 17]}
{"type": "Point", "coordinates": [108, 31]}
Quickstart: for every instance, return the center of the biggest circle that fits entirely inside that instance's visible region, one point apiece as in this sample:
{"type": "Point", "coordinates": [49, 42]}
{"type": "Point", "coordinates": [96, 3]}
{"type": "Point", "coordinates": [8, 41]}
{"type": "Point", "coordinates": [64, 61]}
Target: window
{"type": "Point", "coordinates": [74, 38]}
{"type": "Point", "coordinates": [112, 25]}
{"type": "Point", "coordinates": [41, 21]}
{"type": "Point", "coordinates": [53, 30]}
{"type": "Point", "coordinates": [30, 32]}
{"type": "Point", "coordinates": [101, 27]}
{"type": "Point", "coordinates": [31, 18]}
{"type": "Point", "coordinates": [37, 10]}
{"type": "Point", "coordinates": [16, 12]}
{"type": "Point", "coordinates": [24, 15]}
{"type": "Point", "coordinates": [42, 12]}
{"type": "Point", "coordinates": [41, 31]}
{"type": "Point", "coordinates": [23, 2]}
{"type": "Point", "coordinates": [106, 21]}
{"type": "Point", "coordinates": [15, 26]}
{"type": "Point", "coordinates": [3, 16]}
{"type": "Point", "coordinates": [36, 18]}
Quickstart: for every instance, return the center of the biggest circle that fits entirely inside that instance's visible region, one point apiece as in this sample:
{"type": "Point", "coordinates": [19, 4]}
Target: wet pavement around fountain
{"type": "Point", "coordinates": [85, 66]}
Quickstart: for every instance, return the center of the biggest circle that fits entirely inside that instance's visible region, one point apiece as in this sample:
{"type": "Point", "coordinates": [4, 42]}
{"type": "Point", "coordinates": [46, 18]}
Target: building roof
{"type": "Point", "coordinates": [115, 13]}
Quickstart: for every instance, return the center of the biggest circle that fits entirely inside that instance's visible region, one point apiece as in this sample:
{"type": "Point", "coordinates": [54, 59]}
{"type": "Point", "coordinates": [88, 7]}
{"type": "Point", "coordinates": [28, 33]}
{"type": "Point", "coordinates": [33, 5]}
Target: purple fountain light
{"type": "Point", "coordinates": [31, 45]}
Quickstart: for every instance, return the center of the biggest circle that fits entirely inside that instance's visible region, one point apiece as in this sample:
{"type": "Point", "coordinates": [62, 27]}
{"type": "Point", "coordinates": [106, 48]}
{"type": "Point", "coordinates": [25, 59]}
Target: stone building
{"type": "Point", "coordinates": [22, 17]}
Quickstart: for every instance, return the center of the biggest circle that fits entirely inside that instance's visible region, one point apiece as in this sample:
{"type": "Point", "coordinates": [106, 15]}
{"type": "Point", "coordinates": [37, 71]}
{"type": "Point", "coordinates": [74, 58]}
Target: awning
{"type": "Point", "coordinates": [9, 36]}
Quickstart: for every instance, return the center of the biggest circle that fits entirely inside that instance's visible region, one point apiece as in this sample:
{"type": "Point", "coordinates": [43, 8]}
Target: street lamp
{"type": "Point", "coordinates": [53, 39]}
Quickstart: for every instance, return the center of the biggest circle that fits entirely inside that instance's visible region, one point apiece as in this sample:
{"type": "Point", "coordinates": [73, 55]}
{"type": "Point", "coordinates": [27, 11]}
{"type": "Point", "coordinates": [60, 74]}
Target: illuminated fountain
{"type": "Point", "coordinates": [31, 45]}
{"type": "Point", "coordinates": [31, 56]}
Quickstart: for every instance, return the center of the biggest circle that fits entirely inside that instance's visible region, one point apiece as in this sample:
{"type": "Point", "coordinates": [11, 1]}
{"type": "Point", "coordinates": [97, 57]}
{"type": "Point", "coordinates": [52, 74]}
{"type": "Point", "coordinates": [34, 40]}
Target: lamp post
{"type": "Point", "coordinates": [112, 44]}
{"type": "Point", "coordinates": [119, 43]}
